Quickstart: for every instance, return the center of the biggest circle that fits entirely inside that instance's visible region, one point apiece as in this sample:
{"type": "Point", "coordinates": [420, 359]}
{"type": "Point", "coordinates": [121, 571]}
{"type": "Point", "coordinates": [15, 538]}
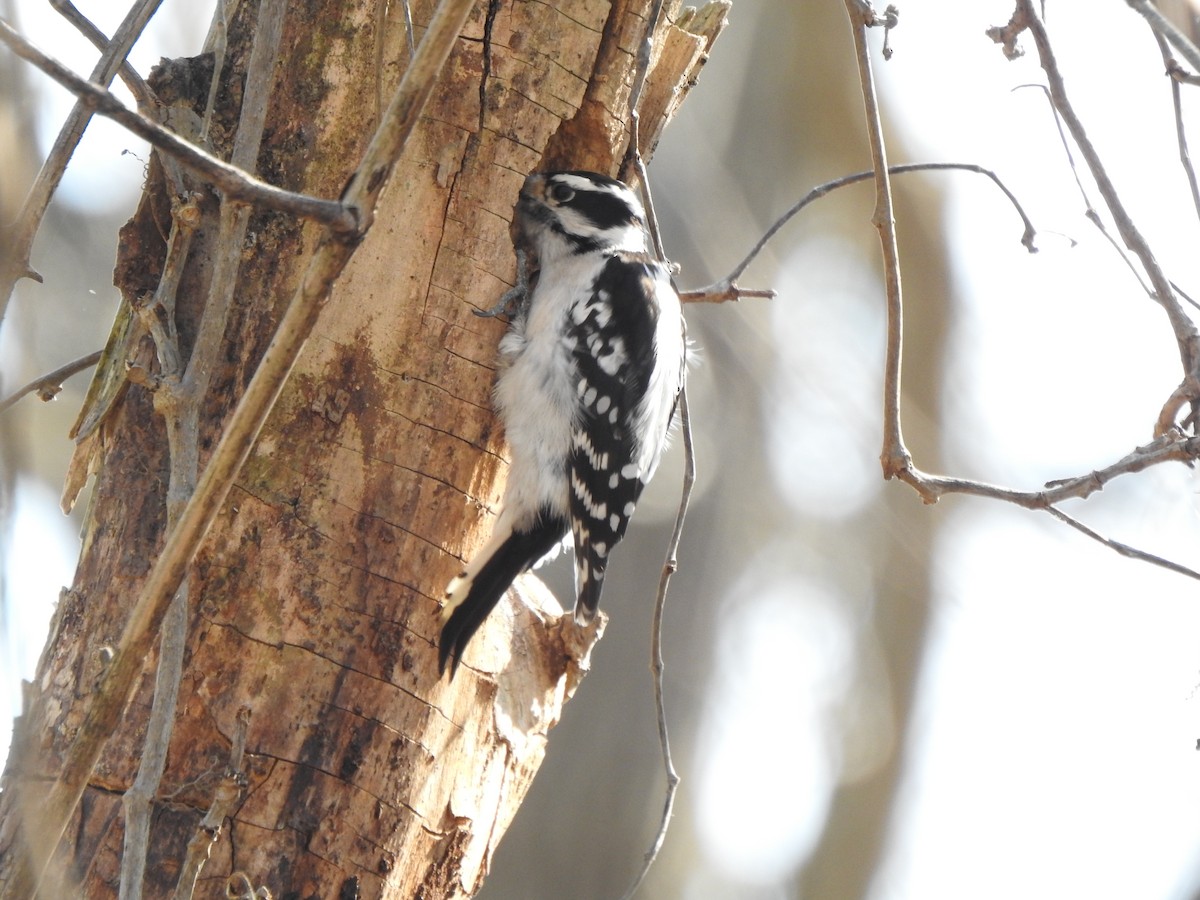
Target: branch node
{"type": "Point", "coordinates": [1006, 35]}
{"type": "Point", "coordinates": [889, 20]}
{"type": "Point", "coordinates": [48, 386]}
{"type": "Point", "coordinates": [1187, 392]}
{"type": "Point", "coordinates": [722, 292]}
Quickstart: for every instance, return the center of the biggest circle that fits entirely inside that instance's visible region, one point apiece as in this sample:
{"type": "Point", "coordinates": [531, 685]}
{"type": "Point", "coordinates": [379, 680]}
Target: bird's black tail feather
{"type": "Point", "coordinates": [516, 554]}
{"type": "Point", "coordinates": [590, 576]}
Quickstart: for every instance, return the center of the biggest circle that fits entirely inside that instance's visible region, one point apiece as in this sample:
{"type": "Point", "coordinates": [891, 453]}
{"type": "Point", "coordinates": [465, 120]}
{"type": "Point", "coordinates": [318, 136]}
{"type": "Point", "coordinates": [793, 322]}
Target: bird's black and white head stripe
{"type": "Point", "coordinates": [588, 213]}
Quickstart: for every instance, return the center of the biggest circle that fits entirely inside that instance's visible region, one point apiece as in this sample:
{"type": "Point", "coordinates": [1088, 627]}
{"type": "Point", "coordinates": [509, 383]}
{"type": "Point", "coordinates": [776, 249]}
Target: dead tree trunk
{"type": "Point", "coordinates": [310, 725]}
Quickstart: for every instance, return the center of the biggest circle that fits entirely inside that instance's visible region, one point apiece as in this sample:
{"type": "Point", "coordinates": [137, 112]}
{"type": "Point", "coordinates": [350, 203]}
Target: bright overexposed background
{"type": "Point", "coordinates": [1050, 747]}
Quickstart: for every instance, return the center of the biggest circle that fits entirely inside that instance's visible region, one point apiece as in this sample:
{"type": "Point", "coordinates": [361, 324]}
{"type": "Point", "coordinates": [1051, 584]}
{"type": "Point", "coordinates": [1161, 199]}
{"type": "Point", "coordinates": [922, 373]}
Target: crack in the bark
{"type": "Point", "coordinates": [559, 12]}
{"type": "Point", "coordinates": [300, 764]}
{"type": "Point", "coordinates": [488, 23]}
{"type": "Point", "coordinates": [283, 644]}
{"type": "Point", "coordinates": [435, 385]}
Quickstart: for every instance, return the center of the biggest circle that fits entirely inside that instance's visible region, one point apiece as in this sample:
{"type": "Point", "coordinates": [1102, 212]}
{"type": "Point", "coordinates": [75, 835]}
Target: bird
{"type": "Point", "coordinates": [589, 375]}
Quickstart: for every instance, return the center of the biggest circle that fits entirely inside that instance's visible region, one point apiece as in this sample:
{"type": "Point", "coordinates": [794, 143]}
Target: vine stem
{"type": "Point", "coordinates": [670, 566]}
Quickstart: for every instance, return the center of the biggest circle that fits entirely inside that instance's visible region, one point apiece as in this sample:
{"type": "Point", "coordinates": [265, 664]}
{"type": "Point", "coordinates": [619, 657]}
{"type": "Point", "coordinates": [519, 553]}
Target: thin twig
{"type": "Point", "coordinates": [225, 799]}
{"type": "Point", "coordinates": [670, 566]}
{"type": "Point", "coordinates": [20, 237]}
{"type": "Point", "coordinates": [1187, 392]}
{"type": "Point", "coordinates": [1062, 139]}
{"type": "Point", "coordinates": [138, 799]}
{"type": "Point", "coordinates": [1185, 157]}
{"type": "Point", "coordinates": [1185, 296]}
{"type": "Point", "coordinates": [1089, 210]}
{"type": "Point", "coordinates": [180, 400]}
{"type": "Point", "coordinates": [1171, 446]}
{"type": "Point", "coordinates": [218, 40]}
{"type": "Point", "coordinates": [1027, 237]}
{"type": "Point", "coordinates": [233, 183]}
{"type": "Point", "coordinates": [235, 217]}
{"type": "Point", "coordinates": [727, 289]}
{"type": "Point", "coordinates": [48, 385]}
{"type": "Point", "coordinates": [408, 27]}
{"type": "Point", "coordinates": [238, 886]}
{"type": "Point", "coordinates": [1182, 75]}
{"type": "Point", "coordinates": [171, 566]}
{"type": "Point", "coordinates": [894, 457]}
{"type": "Point", "coordinates": [1170, 443]}
{"type": "Point", "coordinates": [129, 76]}
{"type": "Point", "coordinates": [1186, 335]}
{"type": "Point", "coordinates": [1123, 549]}
{"type": "Point", "coordinates": [635, 151]}
{"type": "Point", "coordinates": [1165, 27]}
{"type": "Point", "coordinates": [725, 292]}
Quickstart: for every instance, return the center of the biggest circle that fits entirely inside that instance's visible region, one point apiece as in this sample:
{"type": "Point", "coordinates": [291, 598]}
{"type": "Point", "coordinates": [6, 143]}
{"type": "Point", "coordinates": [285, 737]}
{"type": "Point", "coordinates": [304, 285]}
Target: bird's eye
{"type": "Point", "coordinates": [561, 193]}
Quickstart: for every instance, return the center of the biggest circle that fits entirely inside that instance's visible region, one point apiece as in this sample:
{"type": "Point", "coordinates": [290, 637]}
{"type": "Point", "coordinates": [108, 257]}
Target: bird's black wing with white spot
{"type": "Point", "coordinates": [611, 338]}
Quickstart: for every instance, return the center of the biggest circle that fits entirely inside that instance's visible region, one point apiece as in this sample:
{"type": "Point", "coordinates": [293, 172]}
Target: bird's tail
{"type": "Point", "coordinates": [474, 593]}
{"type": "Point", "coordinates": [589, 580]}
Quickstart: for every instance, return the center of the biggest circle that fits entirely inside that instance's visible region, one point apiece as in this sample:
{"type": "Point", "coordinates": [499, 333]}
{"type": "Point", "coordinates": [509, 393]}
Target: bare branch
{"type": "Point", "coordinates": [328, 261]}
{"type": "Point", "coordinates": [48, 385]}
{"type": "Point", "coordinates": [233, 182]}
{"type": "Point", "coordinates": [1186, 297]}
{"type": "Point", "coordinates": [1090, 213]}
{"type": "Point", "coordinates": [894, 458]}
{"type": "Point", "coordinates": [1180, 74]}
{"type": "Point", "coordinates": [724, 292]}
{"type": "Point", "coordinates": [634, 154]}
{"type": "Point", "coordinates": [727, 289]}
{"type": "Point", "coordinates": [129, 76]}
{"type": "Point", "coordinates": [1171, 446]}
{"type": "Point", "coordinates": [179, 400]}
{"type": "Point", "coordinates": [1123, 549]}
{"type": "Point", "coordinates": [408, 26]}
{"type": "Point", "coordinates": [225, 799]}
{"type": "Point", "coordinates": [15, 260]}
{"type": "Point", "coordinates": [153, 759]}
{"type": "Point", "coordinates": [634, 151]}
{"type": "Point", "coordinates": [1186, 335]}
{"type": "Point", "coordinates": [1164, 27]}
{"type": "Point", "coordinates": [218, 40]}
{"type": "Point", "coordinates": [1170, 442]}
{"type": "Point", "coordinates": [1185, 158]}
{"type": "Point", "coordinates": [670, 566]}
{"type": "Point", "coordinates": [1187, 392]}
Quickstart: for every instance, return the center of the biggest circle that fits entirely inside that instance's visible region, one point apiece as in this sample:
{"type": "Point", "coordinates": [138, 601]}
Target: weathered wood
{"type": "Point", "coordinates": [316, 597]}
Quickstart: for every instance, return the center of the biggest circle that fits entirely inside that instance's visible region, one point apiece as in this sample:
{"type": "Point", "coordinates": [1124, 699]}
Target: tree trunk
{"type": "Point", "coordinates": [310, 711]}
